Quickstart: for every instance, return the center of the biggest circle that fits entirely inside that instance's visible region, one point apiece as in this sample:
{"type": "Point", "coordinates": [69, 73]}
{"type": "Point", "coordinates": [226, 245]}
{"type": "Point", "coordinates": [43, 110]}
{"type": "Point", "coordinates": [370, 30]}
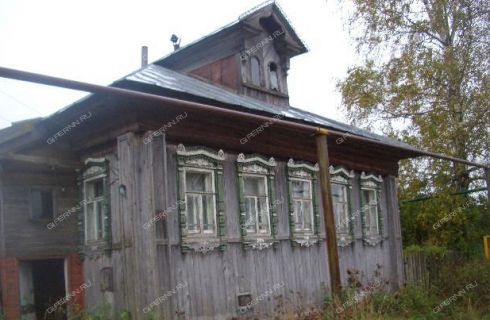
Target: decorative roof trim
{"type": "Point", "coordinates": [243, 159]}
{"type": "Point", "coordinates": [314, 168]}
{"type": "Point", "coordinates": [365, 176]}
{"type": "Point", "coordinates": [220, 156]}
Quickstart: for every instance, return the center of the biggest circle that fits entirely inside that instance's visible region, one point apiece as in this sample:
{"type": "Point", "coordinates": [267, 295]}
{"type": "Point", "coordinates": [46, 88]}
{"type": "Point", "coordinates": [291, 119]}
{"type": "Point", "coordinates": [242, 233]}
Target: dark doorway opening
{"type": "Point", "coordinates": [48, 278]}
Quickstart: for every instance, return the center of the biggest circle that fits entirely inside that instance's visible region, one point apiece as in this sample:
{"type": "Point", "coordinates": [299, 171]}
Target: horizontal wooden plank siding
{"type": "Point", "coordinates": [25, 237]}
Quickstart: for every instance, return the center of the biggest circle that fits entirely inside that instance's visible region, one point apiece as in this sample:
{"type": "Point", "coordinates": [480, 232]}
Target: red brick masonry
{"type": "Point", "coordinates": [75, 278]}
{"type": "Point", "coordinates": [9, 282]}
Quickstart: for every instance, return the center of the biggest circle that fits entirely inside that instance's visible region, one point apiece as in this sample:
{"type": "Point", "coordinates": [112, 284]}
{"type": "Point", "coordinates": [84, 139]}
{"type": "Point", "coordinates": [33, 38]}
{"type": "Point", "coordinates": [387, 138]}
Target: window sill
{"type": "Point", "coordinates": [265, 90]}
{"type": "Point", "coordinates": [258, 242]}
{"type": "Point", "coordinates": [372, 240]}
{"type": "Point", "coordinates": [305, 239]}
{"type": "Point", "coordinates": [201, 244]}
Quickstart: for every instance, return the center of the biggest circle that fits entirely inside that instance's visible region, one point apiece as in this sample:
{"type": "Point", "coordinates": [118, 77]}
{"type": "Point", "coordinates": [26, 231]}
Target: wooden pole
{"type": "Point", "coordinates": [326, 194]}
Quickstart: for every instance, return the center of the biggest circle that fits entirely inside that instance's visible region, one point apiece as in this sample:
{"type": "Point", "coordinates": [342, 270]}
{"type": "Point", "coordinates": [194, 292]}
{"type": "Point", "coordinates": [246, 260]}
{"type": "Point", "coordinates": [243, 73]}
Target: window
{"type": "Point", "coordinates": [94, 209]}
{"type": "Point", "coordinates": [95, 219]}
{"type": "Point", "coordinates": [372, 222]}
{"type": "Point", "coordinates": [340, 208]}
{"type": "Point", "coordinates": [303, 206]}
{"type": "Point", "coordinates": [274, 79]}
{"type": "Point", "coordinates": [344, 222]}
{"type": "Point", "coordinates": [370, 206]}
{"type": "Point", "coordinates": [258, 218]}
{"type": "Point", "coordinates": [200, 201]}
{"type": "Point", "coordinates": [42, 204]}
{"type": "Point", "coordinates": [255, 71]}
{"type": "Point", "coordinates": [256, 204]}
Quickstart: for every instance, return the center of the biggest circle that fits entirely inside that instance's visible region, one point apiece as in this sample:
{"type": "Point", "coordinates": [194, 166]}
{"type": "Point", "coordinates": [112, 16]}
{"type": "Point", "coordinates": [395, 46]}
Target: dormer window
{"type": "Point", "coordinates": [255, 71]}
{"type": "Point", "coordinates": [274, 79]}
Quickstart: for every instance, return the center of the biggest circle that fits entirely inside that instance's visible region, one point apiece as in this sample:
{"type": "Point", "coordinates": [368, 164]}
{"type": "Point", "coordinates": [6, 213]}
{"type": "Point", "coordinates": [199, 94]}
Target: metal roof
{"type": "Point", "coordinates": [241, 18]}
{"type": "Point", "coordinates": [171, 80]}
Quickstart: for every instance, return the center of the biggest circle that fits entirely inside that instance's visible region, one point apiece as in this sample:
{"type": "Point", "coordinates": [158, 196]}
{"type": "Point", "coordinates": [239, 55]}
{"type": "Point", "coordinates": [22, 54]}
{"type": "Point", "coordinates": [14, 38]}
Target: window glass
{"type": "Point", "coordinates": [256, 204]}
{"type": "Point", "coordinates": [303, 206]}
{"type": "Point", "coordinates": [274, 79]}
{"type": "Point", "coordinates": [370, 204]}
{"type": "Point", "coordinates": [94, 209]}
{"type": "Point", "coordinates": [200, 200]}
{"type": "Point", "coordinates": [340, 207]}
{"type": "Point", "coordinates": [42, 204]}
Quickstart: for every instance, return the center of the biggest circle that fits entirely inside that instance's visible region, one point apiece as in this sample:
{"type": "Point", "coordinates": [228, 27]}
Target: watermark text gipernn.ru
{"type": "Point", "coordinates": [255, 132]}
{"type": "Point", "coordinates": [84, 117]}
{"type": "Point", "coordinates": [249, 52]}
{"type": "Point", "coordinates": [69, 296]}
{"type": "Point", "coordinates": [165, 127]}
{"type": "Point", "coordinates": [161, 299]}
{"type": "Point", "coordinates": [451, 299]}
{"type": "Point", "coordinates": [65, 215]}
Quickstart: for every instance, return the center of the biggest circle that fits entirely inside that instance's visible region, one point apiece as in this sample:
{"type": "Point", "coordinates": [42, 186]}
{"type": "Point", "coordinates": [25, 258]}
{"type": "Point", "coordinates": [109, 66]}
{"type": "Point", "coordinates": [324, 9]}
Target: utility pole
{"type": "Point", "coordinates": [326, 194]}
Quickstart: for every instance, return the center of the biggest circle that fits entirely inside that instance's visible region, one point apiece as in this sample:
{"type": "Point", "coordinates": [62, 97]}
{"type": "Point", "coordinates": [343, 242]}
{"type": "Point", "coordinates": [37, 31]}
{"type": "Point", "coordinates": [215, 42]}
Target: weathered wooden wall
{"type": "Point", "coordinates": [148, 263]}
{"type": "Point", "coordinates": [25, 237]}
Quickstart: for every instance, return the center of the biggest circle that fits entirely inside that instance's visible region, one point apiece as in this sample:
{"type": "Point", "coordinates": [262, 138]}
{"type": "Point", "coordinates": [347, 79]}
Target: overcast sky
{"type": "Point", "coordinates": [100, 41]}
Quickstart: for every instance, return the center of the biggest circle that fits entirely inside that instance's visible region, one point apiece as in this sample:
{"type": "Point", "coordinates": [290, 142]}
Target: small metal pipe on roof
{"type": "Point", "coordinates": [144, 56]}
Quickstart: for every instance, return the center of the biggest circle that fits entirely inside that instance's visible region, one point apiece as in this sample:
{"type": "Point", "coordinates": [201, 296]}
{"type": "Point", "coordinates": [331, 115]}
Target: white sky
{"type": "Point", "coordinates": [100, 41]}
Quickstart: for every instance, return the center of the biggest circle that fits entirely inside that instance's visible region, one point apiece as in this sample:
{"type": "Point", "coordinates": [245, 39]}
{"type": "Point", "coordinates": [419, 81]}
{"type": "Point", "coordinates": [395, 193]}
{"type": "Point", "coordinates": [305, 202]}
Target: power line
{"type": "Point", "coordinates": [5, 119]}
{"type": "Point", "coordinates": [20, 102]}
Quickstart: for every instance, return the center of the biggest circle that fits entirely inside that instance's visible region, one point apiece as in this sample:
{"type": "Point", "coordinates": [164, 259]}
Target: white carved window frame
{"type": "Point", "coordinates": [342, 177]}
{"type": "Point", "coordinates": [257, 166]}
{"type": "Point", "coordinates": [303, 172]}
{"type": "Point", "coordinates": [371, 183]}
{"type": "Point", "coordinates": [200, 159]}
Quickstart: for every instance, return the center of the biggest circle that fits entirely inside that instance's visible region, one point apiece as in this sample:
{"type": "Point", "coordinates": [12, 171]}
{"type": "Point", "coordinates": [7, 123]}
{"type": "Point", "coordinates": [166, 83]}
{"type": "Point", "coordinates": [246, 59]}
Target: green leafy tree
{"type": "Point", "coordinates": [426, 80]}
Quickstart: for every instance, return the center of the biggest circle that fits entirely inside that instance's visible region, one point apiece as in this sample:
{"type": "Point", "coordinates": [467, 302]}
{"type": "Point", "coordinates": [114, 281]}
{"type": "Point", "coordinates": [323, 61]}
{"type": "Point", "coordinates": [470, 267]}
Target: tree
{"type": "Point", "coordinates": [426, 80]}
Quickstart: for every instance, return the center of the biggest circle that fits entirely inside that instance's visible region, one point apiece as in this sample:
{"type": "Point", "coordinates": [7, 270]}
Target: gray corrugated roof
{"type": "Point", "coordinates": [175, 81]}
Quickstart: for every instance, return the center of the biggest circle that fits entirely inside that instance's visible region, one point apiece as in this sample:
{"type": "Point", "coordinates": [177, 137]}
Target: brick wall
{"type": "Point", "coordinates": [9, 282]}
{"type": "Point", "coordinates": [75, 280]}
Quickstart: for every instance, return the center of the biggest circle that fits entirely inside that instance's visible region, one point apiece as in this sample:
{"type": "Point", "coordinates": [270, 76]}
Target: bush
{"type": "Point", "coordinates": [460, 291]}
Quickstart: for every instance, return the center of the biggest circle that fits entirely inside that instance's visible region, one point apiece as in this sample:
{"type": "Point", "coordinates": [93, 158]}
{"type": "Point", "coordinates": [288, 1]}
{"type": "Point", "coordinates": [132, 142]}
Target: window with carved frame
{"type": "Point", "coordinates": [372, 221]}
{"type": "Point", "coordinates": [201, 199]}
{"type": "Point", "coordinates": [303, 207]}
{"type": "Point", "coordinates": [95, 219]}
{"type": "Point", "coordinates": [341, 195]}
{"type": "Point", "coordinates": [258, 218]}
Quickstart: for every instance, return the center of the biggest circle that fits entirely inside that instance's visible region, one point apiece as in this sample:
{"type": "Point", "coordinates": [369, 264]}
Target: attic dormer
{"type": "Point", "coordinates": [250, 57]}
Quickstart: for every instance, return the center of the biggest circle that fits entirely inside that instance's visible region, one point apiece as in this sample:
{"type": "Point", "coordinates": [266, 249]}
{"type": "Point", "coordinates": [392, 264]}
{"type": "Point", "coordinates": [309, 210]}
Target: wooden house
{"type": "Point", "coordinates": [159, 210]}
